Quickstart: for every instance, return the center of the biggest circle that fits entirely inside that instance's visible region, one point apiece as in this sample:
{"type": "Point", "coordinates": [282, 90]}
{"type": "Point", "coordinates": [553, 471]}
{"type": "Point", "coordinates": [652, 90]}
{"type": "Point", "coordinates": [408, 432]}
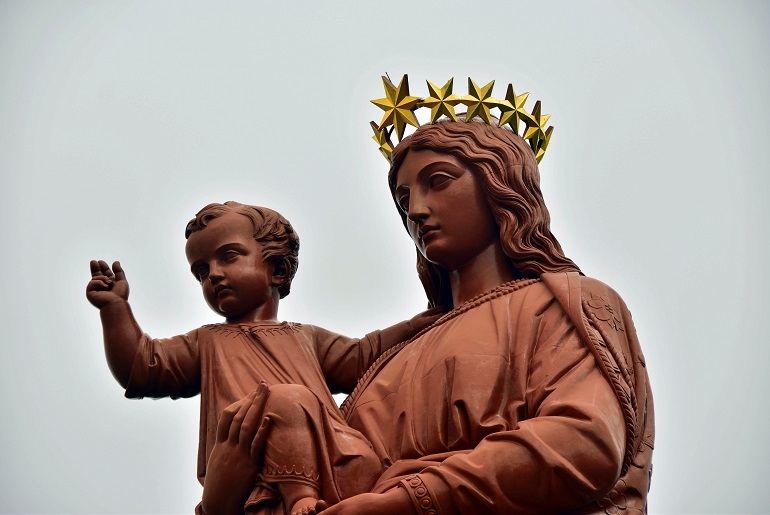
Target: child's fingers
{"type": "Point", "coordinates": [120, 275]}
{"type": "Point", "coordinates": [100, 270]}
{"type": "Point", "coordinates": [105, 268]}
{"type": "Point", "coordinates": [99, 283]}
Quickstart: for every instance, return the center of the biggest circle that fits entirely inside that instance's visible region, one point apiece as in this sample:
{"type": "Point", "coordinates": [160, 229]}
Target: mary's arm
{"type": "Point", "coordinates": [564, 458]}
{"type": "Point", "coordinates": [568, 454]}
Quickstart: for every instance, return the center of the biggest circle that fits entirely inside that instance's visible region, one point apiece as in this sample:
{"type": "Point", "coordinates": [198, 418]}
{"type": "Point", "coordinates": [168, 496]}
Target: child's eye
{"type": "Point", "coordinates": [230, 255]}
{"type": "Point", "coordinates": [201, 272]}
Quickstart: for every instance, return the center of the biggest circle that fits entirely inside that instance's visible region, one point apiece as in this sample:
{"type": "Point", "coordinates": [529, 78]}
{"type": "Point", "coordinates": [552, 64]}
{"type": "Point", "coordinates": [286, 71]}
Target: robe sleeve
{"type": "Point", "coordinates": [566, 453]}
{"type": "Point", "coordinates": [167, 367]}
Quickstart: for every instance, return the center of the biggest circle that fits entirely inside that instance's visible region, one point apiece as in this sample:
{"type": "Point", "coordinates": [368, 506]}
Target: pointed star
{"type": "Point", "coordinates": [479, 101]}
{"type": "Point", "coordinates": [516, 112]}
{"type": "Point", "coordinates": [535, 132]}
{"type": "Point", "coordinates": [398, 106]}
{"type": "Point", "coordinates": [382, 138]}
{"type": "Point", "coordinates": [544, 145]}
{"type": "Point", "coordinates": [441, 101]}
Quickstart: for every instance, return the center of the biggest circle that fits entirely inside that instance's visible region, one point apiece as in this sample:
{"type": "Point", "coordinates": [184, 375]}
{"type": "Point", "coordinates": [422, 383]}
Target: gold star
{"type": "Point", "coordinates": [441, 101]}
{"type": "Point", "coordinates": [479, 101]}
{"type": "Point", "coordinates": [398, 106]}
{"type": "Point", "coordinates": [536, 132]}
{"type": "Point", "coordinates": [382, 138]}
{"type": "Point", "coordinates": [516, 112]}
{"type": "Point", "coordinates": [544, 144]}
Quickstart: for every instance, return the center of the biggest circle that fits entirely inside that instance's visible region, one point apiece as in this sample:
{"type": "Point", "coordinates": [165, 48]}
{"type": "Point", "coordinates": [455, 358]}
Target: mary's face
{"type": "Point", "coordinates": [448, 217]}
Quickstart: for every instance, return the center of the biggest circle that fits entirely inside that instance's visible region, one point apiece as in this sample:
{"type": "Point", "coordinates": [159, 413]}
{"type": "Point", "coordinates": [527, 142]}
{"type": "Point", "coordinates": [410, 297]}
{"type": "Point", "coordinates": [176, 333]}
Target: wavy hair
{"type": "Point", "coordinates": [279, 241]}
{"type": "Point", "coordinates": [507, 172]}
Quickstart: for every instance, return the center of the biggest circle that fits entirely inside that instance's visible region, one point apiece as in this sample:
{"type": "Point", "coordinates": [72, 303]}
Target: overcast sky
{"type": "Point", "coordinates": [119, 120]}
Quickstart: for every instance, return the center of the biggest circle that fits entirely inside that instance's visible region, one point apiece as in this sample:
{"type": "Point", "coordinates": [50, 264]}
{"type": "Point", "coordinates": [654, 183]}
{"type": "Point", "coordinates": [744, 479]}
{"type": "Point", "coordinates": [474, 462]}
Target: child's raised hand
{"type": "Point", "coordinates": [105, 286]}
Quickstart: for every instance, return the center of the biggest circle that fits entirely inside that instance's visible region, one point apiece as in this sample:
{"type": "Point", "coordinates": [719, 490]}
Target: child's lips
{"type": "Point", "coordinates": [221, 290]}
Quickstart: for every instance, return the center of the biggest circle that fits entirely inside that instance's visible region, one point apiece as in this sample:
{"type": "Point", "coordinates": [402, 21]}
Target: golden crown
{"type": "Point", "coordinates": [400, 107]}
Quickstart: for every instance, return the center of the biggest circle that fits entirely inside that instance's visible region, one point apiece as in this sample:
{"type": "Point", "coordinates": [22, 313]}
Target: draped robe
{"type": "Point", "coordinates": [531, 398]}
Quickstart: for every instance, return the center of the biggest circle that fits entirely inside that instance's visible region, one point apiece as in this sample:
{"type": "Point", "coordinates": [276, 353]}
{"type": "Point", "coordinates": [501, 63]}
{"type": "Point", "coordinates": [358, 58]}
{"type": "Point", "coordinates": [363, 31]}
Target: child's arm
{"type": "Point", "coordinates": [405, 330]}
{"type": "Point", "coordinates": [343, 360]}
{"type": "Point", "coordinates": [108, 292]}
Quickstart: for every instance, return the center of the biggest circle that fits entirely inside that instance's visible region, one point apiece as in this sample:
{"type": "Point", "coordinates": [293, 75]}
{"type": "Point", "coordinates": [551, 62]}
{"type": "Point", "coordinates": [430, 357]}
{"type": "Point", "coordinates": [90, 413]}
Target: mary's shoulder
{"type": "Point", "coordinates": [571, 287]}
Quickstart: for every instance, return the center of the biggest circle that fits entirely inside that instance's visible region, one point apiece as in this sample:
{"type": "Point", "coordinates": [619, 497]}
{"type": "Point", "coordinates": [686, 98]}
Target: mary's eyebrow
{"type": "Point", "coordinates": [447, 166]}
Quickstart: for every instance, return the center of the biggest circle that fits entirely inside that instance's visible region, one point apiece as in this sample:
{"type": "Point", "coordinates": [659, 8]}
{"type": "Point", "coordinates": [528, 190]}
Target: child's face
{"type": "Point", "coordinates": [227, 260]}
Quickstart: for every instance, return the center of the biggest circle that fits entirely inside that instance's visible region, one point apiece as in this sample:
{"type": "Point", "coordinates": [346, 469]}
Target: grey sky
{"type": "Point", "coordinates": [119, 120]}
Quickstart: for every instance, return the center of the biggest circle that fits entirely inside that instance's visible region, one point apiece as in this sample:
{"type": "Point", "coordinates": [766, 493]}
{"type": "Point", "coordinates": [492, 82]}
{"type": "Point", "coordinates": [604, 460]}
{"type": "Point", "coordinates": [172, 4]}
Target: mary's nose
{"type": "Point", "coordinates": [418, 210]}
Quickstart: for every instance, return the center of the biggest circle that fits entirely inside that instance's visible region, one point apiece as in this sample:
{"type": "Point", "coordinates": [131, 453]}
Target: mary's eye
{"type": "Point", "coordinates": [403, 203]}
{"type": "Point", "coordinates": [438, 179]}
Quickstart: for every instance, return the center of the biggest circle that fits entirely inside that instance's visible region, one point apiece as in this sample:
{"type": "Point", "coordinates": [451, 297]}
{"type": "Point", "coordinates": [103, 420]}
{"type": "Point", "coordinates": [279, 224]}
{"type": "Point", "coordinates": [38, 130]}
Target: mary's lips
{"type": "Point", "coordinates": [426, 230]}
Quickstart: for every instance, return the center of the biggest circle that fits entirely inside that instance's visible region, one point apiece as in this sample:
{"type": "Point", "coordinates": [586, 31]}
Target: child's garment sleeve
{"type": "Point", "coordinates": [344, 360]}
{"type": "Point", "coordinates": [166, 367]}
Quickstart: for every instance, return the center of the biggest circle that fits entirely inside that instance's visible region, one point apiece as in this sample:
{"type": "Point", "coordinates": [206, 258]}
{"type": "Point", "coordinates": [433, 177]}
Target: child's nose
{"type": "Point", "coordinates": [215, 273]}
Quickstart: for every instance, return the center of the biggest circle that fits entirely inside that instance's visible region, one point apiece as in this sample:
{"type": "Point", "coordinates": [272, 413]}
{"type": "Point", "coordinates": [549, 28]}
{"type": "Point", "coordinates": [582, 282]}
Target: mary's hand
{"type": "Point", "coordinates": [237, 455]}
{"type": "Point", "coordinates": [395, 500]}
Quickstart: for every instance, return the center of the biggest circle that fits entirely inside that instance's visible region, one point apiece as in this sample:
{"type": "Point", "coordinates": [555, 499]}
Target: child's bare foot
{"type": "Point", "coordinates": [305, 506]}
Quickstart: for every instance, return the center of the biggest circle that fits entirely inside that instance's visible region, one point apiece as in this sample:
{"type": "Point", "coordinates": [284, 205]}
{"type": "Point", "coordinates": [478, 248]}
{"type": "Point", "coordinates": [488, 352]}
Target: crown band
{"type": "Point", "coordinates": [400, 106]}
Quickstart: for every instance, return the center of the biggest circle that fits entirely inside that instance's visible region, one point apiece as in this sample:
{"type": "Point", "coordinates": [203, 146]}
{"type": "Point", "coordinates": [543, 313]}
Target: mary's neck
{"type": "Point", "coordinates": [486, 271]}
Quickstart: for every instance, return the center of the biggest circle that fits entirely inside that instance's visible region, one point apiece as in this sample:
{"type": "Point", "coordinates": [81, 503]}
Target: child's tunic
{"type": "Point", "coordinates": [224, 363]}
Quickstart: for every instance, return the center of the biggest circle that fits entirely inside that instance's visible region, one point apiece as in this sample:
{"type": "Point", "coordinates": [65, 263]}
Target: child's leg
{"type": "Point", "coordinates": [292, 461]}
{"type": "Point", "coordinates": [310, 454]}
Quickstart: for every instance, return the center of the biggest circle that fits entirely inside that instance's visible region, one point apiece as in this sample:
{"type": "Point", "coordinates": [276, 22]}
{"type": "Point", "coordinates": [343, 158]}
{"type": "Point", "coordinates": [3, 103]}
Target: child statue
{"type": "Point", "coordinates": [245, 258]}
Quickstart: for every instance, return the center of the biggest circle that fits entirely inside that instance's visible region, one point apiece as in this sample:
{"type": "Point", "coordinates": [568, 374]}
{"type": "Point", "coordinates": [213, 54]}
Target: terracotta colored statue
{"type": "Point", "coordinates": [245, 258]}
{"type": "Point", "coordinates": [530, 394]}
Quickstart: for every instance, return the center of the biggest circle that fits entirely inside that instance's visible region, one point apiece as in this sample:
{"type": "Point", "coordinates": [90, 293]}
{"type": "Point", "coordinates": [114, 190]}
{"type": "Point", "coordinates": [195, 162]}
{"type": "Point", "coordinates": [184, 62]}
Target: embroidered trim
{"type": "Point", "coordinates": [257, 329]}
{"type": "Point", "coordinates": [273, 473]}
{"type": "Point", "coordinates": [420, 494]}
{"type": "Point", "coordinates": [603, 310]}
{"type": "Point", "coordinates": [607, 360]}
{"type": "Point", "coordinates": [615, 501]}
{"type": "Point", "coordinates": [386, 356]}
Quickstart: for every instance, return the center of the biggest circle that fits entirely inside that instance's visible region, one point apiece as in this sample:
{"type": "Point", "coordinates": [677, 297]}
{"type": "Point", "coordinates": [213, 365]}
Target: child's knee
{"type": "Point", "coordinates": [292, 402]}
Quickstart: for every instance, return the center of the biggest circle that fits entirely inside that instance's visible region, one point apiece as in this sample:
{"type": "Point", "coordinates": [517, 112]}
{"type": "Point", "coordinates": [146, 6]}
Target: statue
{"type": "Point", "coordinates": [530, 394]}
{"type": "Point", "coordinates": [245, 258]}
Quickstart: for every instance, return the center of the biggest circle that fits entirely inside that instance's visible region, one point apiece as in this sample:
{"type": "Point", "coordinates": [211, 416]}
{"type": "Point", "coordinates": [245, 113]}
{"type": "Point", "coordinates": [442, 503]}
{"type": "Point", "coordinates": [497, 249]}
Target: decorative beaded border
{"type": "Point", "coordinates": [420, 494]}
